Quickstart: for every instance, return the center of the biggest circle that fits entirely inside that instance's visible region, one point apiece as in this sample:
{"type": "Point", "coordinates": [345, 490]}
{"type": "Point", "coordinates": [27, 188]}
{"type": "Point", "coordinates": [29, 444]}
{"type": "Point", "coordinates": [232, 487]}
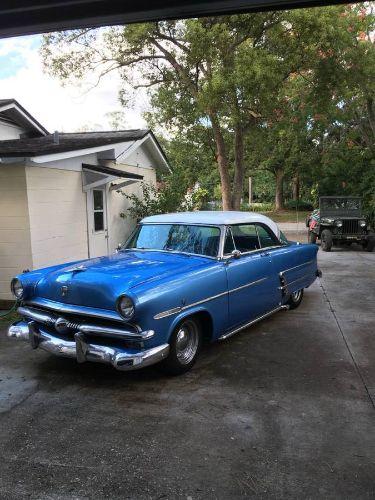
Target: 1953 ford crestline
{"type": "Point", "coordinates": [179, 279]}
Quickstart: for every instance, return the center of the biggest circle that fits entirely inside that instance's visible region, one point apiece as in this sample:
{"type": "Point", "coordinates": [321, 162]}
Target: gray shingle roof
{"type": "Point", "coordinates": [67, 142]}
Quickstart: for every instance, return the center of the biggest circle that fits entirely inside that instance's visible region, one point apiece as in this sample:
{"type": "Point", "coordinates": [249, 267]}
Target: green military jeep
{"type": "Point", "coordinates": [339, 220]}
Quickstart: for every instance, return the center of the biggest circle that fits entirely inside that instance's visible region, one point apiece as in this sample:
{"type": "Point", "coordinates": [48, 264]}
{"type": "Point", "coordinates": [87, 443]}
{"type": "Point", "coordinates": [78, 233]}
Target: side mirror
{"type": "Point", "coordinates": [236, 254]}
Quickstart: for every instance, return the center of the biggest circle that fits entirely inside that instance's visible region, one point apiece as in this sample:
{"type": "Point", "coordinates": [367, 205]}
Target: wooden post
{"type": "Point", "coordinates": [250, 190]}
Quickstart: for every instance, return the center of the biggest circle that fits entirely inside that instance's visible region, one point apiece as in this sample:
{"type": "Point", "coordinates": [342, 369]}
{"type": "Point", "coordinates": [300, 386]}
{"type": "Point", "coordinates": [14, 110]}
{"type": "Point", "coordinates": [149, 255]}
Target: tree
{"type": "Point", "coordinates": [235, 79]}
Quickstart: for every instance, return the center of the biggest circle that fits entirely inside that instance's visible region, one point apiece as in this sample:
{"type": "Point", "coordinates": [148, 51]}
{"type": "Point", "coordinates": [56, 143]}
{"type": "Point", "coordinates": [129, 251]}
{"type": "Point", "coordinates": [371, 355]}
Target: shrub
{"type": "Point", "coordinates": [298, 204]}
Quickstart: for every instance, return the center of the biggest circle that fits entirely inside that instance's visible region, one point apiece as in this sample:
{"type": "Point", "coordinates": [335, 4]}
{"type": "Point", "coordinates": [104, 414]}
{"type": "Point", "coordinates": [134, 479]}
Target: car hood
{"type": "Point", "coordinates": [98, 282]}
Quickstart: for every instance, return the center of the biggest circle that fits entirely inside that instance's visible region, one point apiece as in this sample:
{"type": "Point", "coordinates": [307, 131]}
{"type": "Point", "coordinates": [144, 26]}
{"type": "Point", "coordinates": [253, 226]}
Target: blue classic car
{"type": "Point", "coordinates": [180, 279]}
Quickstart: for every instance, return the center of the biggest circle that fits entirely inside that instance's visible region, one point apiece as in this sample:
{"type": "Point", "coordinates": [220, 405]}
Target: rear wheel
{"type": "Point", "coordinates": [311, 237]}
{"type": "Point", "coordinates": [295, 299]}
{"type": "Point", "coordinates": [185, 344]}
{"type": "Point", "coordinates": [327, 240]}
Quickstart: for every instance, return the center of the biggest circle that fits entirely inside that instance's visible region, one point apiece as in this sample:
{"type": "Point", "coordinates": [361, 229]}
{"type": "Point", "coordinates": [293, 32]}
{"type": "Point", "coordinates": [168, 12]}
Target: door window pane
{"type": "Point", "coordinates": [245, 237]}
{"type": "Point", "coordinates": [98, 221]}
{"type": "Point", "coordinates": [98, 199]}
{"type": "Point", "coordinates": [266, 237]}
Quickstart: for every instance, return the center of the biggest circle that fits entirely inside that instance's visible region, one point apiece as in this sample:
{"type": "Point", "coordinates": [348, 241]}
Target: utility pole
{"type": "Point", "coordinates": [250, 191]}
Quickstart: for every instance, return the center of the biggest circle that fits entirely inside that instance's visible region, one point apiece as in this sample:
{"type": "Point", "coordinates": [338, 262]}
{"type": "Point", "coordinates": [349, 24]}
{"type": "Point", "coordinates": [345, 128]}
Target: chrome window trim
{"type": "Point", "coordinates": [262, 249]}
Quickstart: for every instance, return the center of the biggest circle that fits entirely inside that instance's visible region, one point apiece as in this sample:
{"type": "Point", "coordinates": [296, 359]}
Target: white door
{"type": "Point", "coordinates": [97, 222]}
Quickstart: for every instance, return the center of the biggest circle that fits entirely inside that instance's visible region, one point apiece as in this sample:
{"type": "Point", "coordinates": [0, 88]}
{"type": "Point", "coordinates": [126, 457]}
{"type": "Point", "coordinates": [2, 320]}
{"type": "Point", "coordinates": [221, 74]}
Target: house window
{"type": "Point", "coordinates": [98, 196]}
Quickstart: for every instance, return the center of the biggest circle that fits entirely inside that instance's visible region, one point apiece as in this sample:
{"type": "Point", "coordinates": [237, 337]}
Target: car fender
{"type": "Point", "coordinates": [185, 314]}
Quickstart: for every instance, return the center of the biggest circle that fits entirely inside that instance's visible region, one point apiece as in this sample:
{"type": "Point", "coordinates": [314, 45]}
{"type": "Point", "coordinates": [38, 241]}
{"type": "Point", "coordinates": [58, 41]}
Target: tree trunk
{"type": "Point", "coordinates": [222, 161]}
{"type": "Point", "coordinates": [295, 187]}
{"type": "Point", "coordinates": [279, 195]}
{"type": "Point", "coordinates": [238, 168]}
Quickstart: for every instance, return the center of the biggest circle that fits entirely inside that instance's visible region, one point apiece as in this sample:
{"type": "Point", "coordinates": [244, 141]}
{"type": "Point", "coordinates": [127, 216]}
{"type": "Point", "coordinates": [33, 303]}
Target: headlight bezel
{"type": "Point", "coordinates": [339, 223]}
{"type": "Point", "coordinates": [362, 223]}
{"type": "Point", "coordinates": [131, 307]}
{"type": "Point", "coordinates": [16, 282]}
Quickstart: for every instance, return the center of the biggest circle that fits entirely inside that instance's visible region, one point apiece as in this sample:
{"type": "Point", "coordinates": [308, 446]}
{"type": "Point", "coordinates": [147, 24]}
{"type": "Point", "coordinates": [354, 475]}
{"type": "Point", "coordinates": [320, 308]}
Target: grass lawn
{"type": "Point", "coordinates": [287, 216]}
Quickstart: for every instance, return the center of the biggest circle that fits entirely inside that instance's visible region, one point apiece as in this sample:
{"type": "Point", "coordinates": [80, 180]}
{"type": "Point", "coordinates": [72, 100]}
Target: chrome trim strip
{"type": "Point", "coordinates": [103, 331]}
{"type": "Point", "coordinates": [248, 284]}
{"type": "Point", "coordinates": [300, 265]}
{"type": "Point", "coordinates": [71, 309]}
{"type": "Point", "coordinates": [252, 322]}
{"type": "Point", "coordinates": [176, 310]}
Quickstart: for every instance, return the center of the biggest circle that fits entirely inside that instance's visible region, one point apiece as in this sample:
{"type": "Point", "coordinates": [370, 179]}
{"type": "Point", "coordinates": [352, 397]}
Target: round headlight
{"type": "Point", "coordinates": [338, 223]}
{"type": "Point", "coordinates": [17, 288]}
{"type": "Point", "coordinates": [125, 307]}
{"type": "Point", "coordinates": [362, 223]}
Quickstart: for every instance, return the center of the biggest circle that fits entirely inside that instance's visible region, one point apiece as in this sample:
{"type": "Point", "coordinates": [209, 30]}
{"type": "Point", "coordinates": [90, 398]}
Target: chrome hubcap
{"type": "Point", "coordinates": [296, 295]}
{"type": "Point", "coordinates": [187, 342]}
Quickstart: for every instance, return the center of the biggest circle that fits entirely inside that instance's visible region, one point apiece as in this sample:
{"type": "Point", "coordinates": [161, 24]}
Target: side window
{"type": "Point", "coordinates": [245, 237]}
{"type": "Point", "coordinates": [266, 237]}
{"type": "Point", "coordinates": [228, 244]}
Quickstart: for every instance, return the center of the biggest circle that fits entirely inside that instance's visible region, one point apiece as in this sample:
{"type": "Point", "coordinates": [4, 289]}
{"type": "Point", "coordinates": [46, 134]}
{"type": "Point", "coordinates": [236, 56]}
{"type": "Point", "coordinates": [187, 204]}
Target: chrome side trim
{"type": "Point", "coordinates": [103, 331]}
{"type": "Point", "coordinates": [176, 310]}
{"type": "Point", "coordinates": [300, 265]}
{"type": "Point", "coordinates": [248, 284]}
{"type": "Point", "coordinates": [246, 325]}
{"type": "Point", "coordinates": [294, 281]}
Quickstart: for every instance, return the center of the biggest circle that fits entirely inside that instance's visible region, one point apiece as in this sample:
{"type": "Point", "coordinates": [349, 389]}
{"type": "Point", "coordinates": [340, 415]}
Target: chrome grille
{"type": "Point", "coordinates": [350, 226]}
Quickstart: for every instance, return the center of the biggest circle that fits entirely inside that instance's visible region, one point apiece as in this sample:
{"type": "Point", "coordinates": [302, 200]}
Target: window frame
{"type": "Point", "coordinates": [260, 249]}
{"type": "Point", "coordinates": [217, 226]}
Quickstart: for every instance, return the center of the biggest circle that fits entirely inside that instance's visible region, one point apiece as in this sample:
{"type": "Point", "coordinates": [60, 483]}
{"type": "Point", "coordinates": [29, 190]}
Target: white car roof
{"type": "Point", "coordinates": [226, 218]}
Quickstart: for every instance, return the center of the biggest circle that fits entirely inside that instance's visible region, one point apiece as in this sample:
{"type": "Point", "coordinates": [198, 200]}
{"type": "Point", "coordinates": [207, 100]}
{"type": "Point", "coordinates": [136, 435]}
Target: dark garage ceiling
{"type": "Point", "coordinates": [24, 17]}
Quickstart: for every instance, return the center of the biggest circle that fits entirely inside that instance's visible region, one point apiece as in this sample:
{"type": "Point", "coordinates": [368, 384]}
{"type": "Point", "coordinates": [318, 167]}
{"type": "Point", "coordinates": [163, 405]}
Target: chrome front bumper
{"type": "Point", "coordinates": [82, 351]}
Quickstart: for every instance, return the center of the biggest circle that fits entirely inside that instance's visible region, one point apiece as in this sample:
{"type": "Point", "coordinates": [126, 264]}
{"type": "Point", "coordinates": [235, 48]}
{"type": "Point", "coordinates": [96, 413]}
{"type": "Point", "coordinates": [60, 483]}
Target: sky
{"type": "Point", "coordinates": [67, 109]}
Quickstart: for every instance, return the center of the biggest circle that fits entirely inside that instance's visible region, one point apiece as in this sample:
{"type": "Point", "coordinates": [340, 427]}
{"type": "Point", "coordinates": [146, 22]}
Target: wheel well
{"type": "Point", "coordinates": [205, 320]}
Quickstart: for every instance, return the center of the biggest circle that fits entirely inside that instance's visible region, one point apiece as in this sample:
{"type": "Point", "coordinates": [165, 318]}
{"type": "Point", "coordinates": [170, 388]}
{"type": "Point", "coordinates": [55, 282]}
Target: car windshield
{"type": "Point", "coordinates": [340, 205]}
{"type": "Point", "coordinates": [200, 240]}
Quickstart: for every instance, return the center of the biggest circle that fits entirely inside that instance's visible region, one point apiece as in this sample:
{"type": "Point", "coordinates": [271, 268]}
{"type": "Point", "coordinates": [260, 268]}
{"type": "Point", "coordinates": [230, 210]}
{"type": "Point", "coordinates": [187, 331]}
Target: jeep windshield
{"type": "Point", "coordinates": [340, 206]}
{"type": "Point", "coordinates": [191, 239]}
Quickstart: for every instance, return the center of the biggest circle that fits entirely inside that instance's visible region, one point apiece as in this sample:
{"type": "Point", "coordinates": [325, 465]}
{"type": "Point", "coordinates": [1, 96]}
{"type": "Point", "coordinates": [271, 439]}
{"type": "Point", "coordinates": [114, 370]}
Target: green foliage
{"type": "Point", "coordinates": [289, 94]}
{"type": "Point", "coordinates": [299, 205]}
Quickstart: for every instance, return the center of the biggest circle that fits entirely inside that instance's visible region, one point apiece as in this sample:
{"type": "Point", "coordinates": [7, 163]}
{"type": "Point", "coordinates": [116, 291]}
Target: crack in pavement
{"type": "Point", "coordinates": [356, 366]}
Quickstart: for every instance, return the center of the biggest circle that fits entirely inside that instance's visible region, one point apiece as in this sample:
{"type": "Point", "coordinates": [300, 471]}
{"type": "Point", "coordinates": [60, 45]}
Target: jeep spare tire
{"type": "Point", "coordinates": [327, 240]}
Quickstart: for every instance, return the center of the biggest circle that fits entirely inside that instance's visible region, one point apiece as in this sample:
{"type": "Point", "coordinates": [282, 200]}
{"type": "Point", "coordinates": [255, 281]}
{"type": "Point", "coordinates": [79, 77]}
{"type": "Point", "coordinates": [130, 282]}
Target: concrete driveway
{"type": "Point", "coordinates": [283, 410]}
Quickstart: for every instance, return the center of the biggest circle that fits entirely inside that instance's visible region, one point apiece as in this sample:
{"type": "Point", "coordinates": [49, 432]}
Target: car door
{"type": "Point", "coordinates": [252, 282]}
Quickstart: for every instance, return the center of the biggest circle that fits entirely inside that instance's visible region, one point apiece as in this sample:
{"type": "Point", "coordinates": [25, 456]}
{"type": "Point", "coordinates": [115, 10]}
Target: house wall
{"type": "Point", "coordinates": [57, 210]}
{"type": "Point", "coordinates": [120, 228]}
{"type": "Point", "coordinates": [15, 243]}
{"type": "Point", "coordinates": [9, 131]}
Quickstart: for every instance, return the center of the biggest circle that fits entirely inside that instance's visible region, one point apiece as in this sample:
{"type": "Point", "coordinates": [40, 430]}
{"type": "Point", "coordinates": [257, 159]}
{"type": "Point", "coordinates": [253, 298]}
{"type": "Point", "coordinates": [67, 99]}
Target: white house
{"type": "Point", "coordinates": [58, 199]}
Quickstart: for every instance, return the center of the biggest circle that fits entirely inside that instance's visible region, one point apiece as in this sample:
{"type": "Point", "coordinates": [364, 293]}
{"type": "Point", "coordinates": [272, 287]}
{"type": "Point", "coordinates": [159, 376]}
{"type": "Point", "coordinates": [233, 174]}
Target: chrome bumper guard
{"type": "Point", "coordinates": [62, 325]}
{"type": "Point", "coordinates": [82, 351]}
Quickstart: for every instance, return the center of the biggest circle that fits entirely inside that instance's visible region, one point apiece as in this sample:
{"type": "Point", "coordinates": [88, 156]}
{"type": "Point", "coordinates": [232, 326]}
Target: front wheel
{"type": "Point", "coordinates": [370, 244]}
{"type": "Point", "coordinates": [295, 299]}
{"type": "Point", "coordinates": [185, 344]}
{"type": "Point", "coordinates": [327, 240]}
